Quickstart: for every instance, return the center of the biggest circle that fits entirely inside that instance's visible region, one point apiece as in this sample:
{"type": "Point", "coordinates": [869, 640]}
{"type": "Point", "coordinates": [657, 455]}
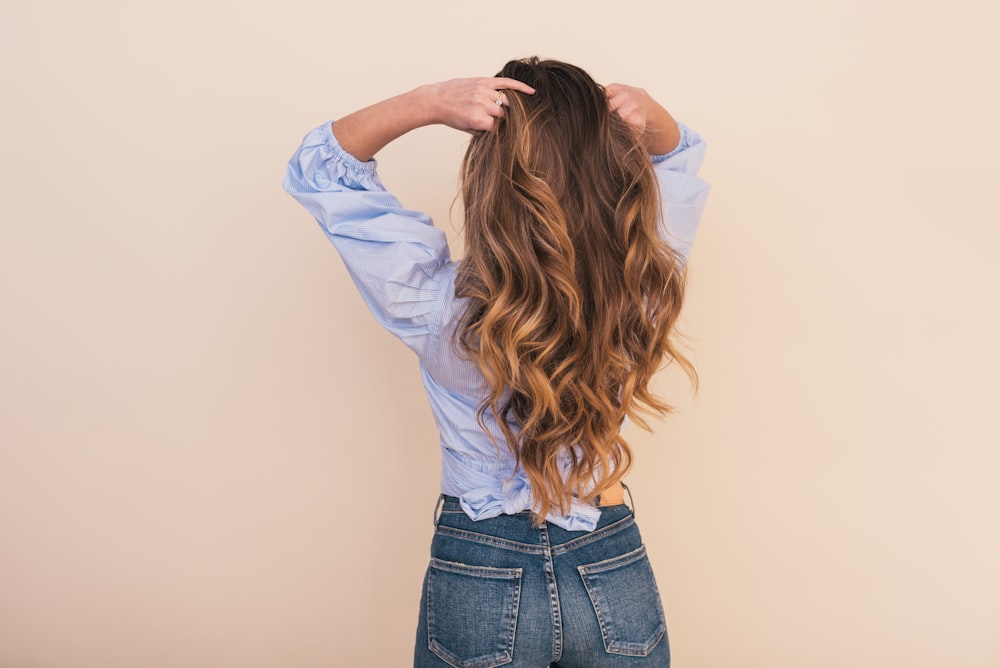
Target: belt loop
{"type": "Point", "coordinates": [631, 503]}
{"type": "Point", "coordinates": [437, 510]}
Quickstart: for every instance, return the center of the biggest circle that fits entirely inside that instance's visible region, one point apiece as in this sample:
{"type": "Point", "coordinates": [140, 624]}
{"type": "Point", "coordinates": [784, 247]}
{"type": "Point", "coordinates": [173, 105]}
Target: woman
{"type": "Point", "coordinates": [581, 202]}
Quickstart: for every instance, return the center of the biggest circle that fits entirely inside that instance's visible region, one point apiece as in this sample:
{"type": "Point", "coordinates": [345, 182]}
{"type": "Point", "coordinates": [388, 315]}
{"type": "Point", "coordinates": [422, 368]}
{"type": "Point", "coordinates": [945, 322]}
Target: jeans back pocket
{"type": "Point", "coordinates": [472, 613]}
{"type": "Point", "coordinates": [627, 602]}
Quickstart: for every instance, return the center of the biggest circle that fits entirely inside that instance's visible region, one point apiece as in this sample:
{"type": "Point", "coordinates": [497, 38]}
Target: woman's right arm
{"type": "Point", "coordinates": [659, 130]}
{"type": "Point", "coordinates": [677, 152]}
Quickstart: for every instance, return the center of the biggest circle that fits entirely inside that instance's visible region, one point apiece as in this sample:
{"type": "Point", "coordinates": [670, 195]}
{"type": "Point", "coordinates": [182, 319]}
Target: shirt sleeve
{"type": "Point", "coordinates": [682, 192]}
{"type": "Point", "coordinates": [395, 256]}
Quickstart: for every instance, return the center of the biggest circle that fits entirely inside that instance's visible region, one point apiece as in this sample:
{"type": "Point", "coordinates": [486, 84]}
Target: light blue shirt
{"type": "Point", "coordinates": [401, 264]}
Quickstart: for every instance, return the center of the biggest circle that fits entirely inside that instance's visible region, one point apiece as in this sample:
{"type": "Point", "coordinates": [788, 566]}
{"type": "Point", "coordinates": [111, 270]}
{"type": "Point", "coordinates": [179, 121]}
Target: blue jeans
{"type": "Point", "coordinates": [501, 592]}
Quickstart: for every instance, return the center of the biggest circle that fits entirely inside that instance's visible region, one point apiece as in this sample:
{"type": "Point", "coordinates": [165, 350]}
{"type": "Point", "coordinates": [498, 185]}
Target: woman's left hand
{"type": "Point", "coordinates": [470, 105]}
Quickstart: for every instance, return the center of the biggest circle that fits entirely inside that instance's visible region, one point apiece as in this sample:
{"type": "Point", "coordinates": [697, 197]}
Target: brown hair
{"type": "Point", "coordinates": [571, 290]}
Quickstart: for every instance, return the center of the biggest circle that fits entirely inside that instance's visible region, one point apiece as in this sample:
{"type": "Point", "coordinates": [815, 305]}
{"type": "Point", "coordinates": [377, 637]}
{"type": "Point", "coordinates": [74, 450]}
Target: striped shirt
{"type": "Point", "coordinates": [402, 266]}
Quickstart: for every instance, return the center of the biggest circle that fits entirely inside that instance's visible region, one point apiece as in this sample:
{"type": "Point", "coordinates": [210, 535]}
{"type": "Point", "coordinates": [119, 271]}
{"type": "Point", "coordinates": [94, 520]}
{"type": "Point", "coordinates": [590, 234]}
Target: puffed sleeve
{"type": "Point", "coordinates": [683, 193]}
{"type": "Point", "coordinates": [395, 256]}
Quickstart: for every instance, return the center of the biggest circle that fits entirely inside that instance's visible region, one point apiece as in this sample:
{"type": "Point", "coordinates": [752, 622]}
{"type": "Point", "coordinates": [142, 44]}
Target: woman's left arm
{"type": "Point", "coordinates": [464, 104]}
{"type": "Point", "coordinates": [396, 257]}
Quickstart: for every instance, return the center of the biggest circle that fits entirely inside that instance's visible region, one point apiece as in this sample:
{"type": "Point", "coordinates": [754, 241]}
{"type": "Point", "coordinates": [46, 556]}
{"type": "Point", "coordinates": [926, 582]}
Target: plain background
{"type": "Point", "coordinates": [212, 457]}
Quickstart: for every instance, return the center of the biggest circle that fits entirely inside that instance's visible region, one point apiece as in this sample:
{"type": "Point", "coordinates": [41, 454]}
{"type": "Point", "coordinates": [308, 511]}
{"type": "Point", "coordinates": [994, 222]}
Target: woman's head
{"type": "Point", "coordinates": [564, 132]}
{"type": "Point", "coordinates": [571, 291]}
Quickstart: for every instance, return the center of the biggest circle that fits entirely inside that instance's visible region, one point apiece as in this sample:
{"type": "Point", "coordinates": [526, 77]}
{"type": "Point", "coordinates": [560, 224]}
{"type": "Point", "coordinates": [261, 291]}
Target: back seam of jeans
{"type": "Point", "coordinates": [552, 586]}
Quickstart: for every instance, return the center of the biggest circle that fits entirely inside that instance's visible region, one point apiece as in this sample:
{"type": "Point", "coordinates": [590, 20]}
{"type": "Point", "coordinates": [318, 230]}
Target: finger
{"type": "Point", "coordinates": [486, 108]}
{"type": "Point", "coordinates": [486, 124]}
{"type": "Point", "coordinates": [494, 111]}
{"type": "Point", "coordinates": [498, 99]}
{"type": "Point", "coordinates": [511, 84]}
{"type": "Point", "coordinates": [627, 108]}
{"type": "Point", "coordinates": [613, 89]}
{"type": "Point", "coordinates": [616, 96]}
{"type": "Point", "coordinates": [616, 102]}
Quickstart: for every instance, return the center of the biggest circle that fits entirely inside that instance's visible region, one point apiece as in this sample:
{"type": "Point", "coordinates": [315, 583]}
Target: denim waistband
{"type": "Point", "coordinates": [447, 503]}
{"type": "Point", "coordinates": [453, 503]}
{"type": "Point", "coordinates": [518, 532]}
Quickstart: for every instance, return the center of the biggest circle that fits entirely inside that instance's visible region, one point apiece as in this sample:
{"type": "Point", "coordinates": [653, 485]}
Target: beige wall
{"type": "Point", "coordinates": [211, 456]}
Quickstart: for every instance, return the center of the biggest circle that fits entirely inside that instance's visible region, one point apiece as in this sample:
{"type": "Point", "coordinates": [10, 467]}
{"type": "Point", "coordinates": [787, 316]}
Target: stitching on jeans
{"type": "Point", "coordinates": [613, 563]}
{"type": "Point", "coordinates": [490, 540]}
{"type": "Point", "coordinates": [562, 548]}
{"type": "Point", "coordinates": [553, 590]}
{"type": "Point", "coordinates": [437, 510]}
{"type": "Point", "coordinates": [484, 572]}
{"type": "Point", "coordinates": [612, 643]}
{"type": "Point", "coordinates": [613, 528]}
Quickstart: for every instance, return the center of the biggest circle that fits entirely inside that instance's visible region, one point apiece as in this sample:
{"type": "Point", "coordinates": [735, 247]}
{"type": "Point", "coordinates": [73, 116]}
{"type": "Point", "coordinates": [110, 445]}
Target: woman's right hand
{"type": "Point", "coordinates": [469, 104]}
{"type": "Point", "coordinates": [650, 120]}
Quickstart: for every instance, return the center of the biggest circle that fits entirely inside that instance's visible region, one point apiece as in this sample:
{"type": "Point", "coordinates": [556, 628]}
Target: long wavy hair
{"type": "Point", "coordinates": [572, 292]}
